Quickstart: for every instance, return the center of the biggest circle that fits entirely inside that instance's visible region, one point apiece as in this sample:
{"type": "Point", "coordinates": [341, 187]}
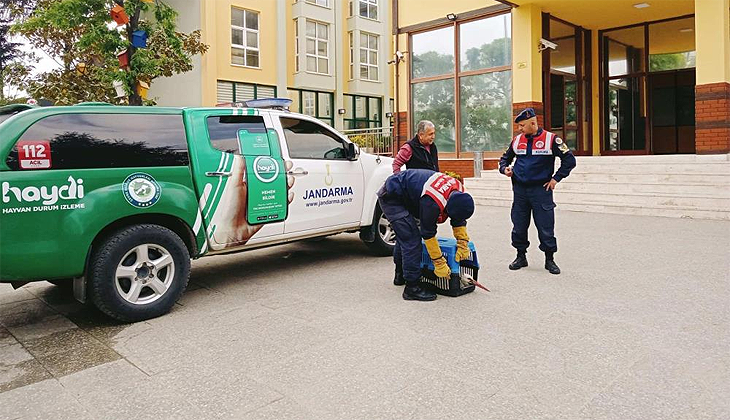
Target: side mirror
{"type": "Point", "coordinates": [353, 152]}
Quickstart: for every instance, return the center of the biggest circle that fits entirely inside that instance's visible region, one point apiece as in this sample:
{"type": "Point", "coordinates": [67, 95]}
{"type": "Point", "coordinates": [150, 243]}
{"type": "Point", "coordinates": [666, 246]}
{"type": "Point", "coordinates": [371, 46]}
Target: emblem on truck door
{"type": "Point", "coordinates": [141, 190]}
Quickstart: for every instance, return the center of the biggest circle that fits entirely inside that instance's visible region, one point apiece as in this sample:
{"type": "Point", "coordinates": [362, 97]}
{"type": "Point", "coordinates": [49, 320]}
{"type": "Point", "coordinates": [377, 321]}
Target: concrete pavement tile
{"type": "Point", "coordinates": [6, 338]}
{"type": "Point", "coordinates": [220, 395]}
{"type": "Point", "coordinates": [562, 328]}
{"type": "Point", "coordinates": [14, 354]}
{"type": "Point", "coordinates": [25, 401]}
{"type": "Point", "coordinates": [556, 394]}
{"type": "Point", "coordinates": [60, 342]}
{"type": "Point", "coordinates": [282, 409]}
{"type": "Point", "coordinates": [65, 363]}
{"type": "Point", "coordinates": [154, 351]}
{"type": "Point", "coordinates": [308, 311]}
{"type": "Point", "coordinates": [24, 312]}
{"type": "Point", "coordinates": [21, 374]}
{"type": "Point", "coordinates": [103, 378]}
{"type": "Point", "coordinates": [8, 295]}
{"type": "Point", "coordinates": [41, 327]}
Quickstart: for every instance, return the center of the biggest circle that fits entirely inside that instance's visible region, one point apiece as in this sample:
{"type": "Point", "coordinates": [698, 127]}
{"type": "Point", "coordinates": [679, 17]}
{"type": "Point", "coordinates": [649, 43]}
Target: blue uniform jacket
{"type": "Point", "coordinates": [408, 185]}
{"type": "Point", "coordinates": [532, 169]}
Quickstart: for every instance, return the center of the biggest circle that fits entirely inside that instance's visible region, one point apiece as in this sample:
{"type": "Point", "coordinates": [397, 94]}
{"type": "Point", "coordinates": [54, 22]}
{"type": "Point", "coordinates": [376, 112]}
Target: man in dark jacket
{"type": "Point", "coordinates": [533, 183]}
{"type": "Point", "coordinates": [420, 152]}
{"type": "Point", "coordinates": [432, 197]}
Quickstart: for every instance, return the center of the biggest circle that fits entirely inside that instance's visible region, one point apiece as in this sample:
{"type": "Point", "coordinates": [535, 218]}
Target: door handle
{"type": "Point", "coordinates": [218, 173]}
{"type": "Point", "coordinates": [296, 172]}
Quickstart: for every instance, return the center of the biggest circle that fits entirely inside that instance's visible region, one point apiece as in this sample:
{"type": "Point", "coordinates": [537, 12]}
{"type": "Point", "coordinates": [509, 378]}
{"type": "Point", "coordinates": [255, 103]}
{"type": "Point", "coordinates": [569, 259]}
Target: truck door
{"type": "Point", "coordinates": [328, 188]}
{"type": "Point", "coordinates": [224, 144]}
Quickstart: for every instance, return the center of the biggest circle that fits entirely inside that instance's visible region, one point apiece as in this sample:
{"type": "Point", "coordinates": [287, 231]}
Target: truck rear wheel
{"type": "Point", "coordinates": [384, 235]}
{"type": "Point", "coordinates": [138, 272]}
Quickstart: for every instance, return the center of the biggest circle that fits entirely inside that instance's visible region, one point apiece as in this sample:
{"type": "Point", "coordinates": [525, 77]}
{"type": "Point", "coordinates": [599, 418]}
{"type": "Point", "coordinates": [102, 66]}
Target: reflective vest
{"type": "Point", "coordinates": [541, 145]}
{"type": "Point", "coordinates": [439, 187]}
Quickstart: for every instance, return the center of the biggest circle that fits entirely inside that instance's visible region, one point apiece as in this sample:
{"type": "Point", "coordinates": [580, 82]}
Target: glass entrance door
{"type": "Point", "coordinates": [564, 108]}
{"type": "Point", "coordinates": [673, 111]}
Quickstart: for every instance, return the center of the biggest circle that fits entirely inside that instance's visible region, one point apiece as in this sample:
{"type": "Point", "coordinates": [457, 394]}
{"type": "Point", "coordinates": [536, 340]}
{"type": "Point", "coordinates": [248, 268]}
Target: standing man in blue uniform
{"type": "Point", "coordinates": [533, 183]}
{"type": "Point", "coordinates": [432, 197]}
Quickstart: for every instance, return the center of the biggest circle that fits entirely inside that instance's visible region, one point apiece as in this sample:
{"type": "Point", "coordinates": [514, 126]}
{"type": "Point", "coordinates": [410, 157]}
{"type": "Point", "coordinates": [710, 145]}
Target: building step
{"type": "Point", "coordinates": [617, 160]}
{"type": "Point", "coordinates": [677, 212]}
{"type": "Point", "coordinates": [628, 199]}
{"type": "Point", "coordinates": [629, 178]}
{"type": "Point", "coordinates": [722, 191]}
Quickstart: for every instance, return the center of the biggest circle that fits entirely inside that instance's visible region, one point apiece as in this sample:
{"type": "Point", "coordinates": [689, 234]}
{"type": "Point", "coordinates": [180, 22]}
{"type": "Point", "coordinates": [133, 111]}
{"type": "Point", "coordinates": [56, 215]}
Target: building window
{"type": "Point", "coordinates": [362, 112]}
{"type": "Point", "coordinates": [229, 92]}
{"type": "Point", "coordinates": [368, 56]}
{"type": "Point", "coordinates": [244, 37]}
{"type": "Point", "coordinates": [365, 8]}
{"type": "Point", "coordinates": [316, 104]}
{"type": "Point", "coordinates": [478, 89]}
{"type": "Point", "coordinates": [296, 45]}
{"type": "Point", "coordinates": [352, 55]}
{"type": "Point", "coordinates": [318, 2]}
{"type": "Point", "coordinates": [317, 47]}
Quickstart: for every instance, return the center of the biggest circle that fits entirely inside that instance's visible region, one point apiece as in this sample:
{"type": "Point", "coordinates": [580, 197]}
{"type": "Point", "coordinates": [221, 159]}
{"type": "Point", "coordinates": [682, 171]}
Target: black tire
{"type": "Point", "coordinates": [123, 247]}
{"type": "Point", "coordinates": [380, 246]}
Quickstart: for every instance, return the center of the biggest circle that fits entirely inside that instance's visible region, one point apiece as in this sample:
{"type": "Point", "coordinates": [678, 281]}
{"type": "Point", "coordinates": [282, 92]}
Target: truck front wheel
{"type": "Point", "coordinates": [138, 272]}
{"type": "Point", "coordinates": [383, 233]}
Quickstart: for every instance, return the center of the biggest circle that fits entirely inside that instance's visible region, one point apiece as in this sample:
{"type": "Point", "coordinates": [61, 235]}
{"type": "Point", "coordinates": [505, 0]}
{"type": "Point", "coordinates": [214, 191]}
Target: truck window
{"type": "Point", "coordinates": [223, 130]}
{"type": "Point", "coordinates": [80, 141]}
{"type": "Point", "coordinates": [309, 140]}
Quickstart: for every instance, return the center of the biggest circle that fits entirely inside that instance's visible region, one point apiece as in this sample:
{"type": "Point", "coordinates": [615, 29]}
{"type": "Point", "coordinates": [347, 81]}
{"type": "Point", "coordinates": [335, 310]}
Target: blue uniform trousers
{"type": "Point", "coordinates": [535, 201]}
{"type": "Point", "coordinates": [407, 252]}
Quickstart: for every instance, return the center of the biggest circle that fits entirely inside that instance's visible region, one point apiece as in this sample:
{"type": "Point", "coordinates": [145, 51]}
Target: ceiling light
{"type": "Point", "coordinates": [641, 5]}
{"type": "Point", "coordinates": [686, 30]}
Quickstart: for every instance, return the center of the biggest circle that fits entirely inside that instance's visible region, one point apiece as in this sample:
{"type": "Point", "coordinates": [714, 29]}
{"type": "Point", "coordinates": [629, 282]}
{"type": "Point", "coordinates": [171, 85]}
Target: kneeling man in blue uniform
{"type": "Point", "coordinates": [533, 183]}
{"type": "Point", "coordinates": [432, 197]}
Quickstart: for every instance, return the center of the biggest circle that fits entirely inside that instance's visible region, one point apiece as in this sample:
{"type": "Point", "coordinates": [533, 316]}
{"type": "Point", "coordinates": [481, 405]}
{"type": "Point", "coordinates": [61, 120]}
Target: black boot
{"type": "Point", "coordinates": [416, 292]}
{"type": "Point", "coordinates": [519, 262]}
{"type": "Point", "coordinates": [398, 280]}
{"type": "Point", "coordinates": [550, 264]}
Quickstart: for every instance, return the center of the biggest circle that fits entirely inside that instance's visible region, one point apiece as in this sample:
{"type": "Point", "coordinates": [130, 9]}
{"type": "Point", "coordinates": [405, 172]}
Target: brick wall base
{"type": "Point", "coordinates": [465, 167]}
{"type": "Point", "coordinates": [401, 132]}
{"type": "Point", "coordinates": [712, 118]}
{"type": "Point", "coordinates": [518, 107]}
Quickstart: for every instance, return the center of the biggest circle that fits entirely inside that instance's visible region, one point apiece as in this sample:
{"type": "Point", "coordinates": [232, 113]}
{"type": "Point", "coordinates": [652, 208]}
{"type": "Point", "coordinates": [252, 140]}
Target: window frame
{"type": "Point", "coordinates": [378, 123]}
{"type": "Point", "coordinates": [244, 30]}
{"type": "Point", "coordinates": [300, 93]}
{"type": "Point", "coordinates": [368, 50]}
{"type": "Point", "coordinates": [317, 40]}
{"type": "Point", "coordinates": [455, 76]}
{"type": "Point", "coordinates": [233, 84]}
{"type": "Point", "coordinates": [369, 3]}
{"type": "Point", "coordinates": [317, 3]}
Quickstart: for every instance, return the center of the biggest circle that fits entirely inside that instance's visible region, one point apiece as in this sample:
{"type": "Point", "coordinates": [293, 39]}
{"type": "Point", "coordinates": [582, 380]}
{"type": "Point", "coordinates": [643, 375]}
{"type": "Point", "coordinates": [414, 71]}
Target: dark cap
{"type": "Point", "coordinates": [460, 205]}
{"type": "Point", "coordinates": [526, 114]}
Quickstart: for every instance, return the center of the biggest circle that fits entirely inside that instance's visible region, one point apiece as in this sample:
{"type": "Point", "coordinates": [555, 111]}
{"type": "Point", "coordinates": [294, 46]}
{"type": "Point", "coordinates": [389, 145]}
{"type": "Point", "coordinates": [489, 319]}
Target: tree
{"type": "Point", "coordinates": [78, 34]}
{"type": "Point", "coordinates": [14, 67]}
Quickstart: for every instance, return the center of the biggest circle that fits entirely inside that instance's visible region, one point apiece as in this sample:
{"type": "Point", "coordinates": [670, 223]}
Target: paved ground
{"type": "Point", "coordinates": [636, 327]}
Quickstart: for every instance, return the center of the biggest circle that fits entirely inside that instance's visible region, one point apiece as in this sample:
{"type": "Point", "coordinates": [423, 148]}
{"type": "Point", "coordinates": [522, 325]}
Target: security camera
{"type": "Point", "coordinates": [545, 44]}
{"type": "Point", "coordinates": [399, 56]}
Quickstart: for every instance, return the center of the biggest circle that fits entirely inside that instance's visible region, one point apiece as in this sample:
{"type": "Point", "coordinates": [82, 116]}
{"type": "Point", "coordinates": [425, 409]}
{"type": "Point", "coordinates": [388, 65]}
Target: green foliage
{"type": "Point", "coordinates": [659, 62]}
{"type": "Point", "coordinates": [454, 175]}
{"type": "Point", "coordinates": [486, 100]}
{"type": "Point", "coordinates": [78, 35]}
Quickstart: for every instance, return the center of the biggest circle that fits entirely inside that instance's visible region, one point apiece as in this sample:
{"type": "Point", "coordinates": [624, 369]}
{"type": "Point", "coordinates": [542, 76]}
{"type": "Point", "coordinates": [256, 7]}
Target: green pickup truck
{"type": "Point", "coordinates": [116, 200]}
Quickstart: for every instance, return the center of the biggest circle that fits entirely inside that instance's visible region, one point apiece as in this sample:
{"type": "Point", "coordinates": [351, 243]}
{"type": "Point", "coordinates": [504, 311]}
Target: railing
{"type": "Point", "coordinates": [377, 141]}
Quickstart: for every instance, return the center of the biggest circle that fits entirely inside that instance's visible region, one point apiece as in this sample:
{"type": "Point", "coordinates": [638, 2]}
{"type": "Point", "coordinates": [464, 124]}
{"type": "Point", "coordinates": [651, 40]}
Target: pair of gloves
{"type": "Point", "coordinates": [441, 268]}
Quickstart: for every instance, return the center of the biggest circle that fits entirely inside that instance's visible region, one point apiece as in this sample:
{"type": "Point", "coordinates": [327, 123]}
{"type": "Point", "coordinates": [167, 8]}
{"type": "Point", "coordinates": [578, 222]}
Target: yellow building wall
{"type": "Point", "coordinates": [291, 51]}
{"type": "Point", "coordinates": [712, 29]}
{"type": "Point", "coordinates": [526, 60]}
{"type": "Point", "coordinates": [217, 34]}
{"type": "Point", "coordinates": [411, 12]}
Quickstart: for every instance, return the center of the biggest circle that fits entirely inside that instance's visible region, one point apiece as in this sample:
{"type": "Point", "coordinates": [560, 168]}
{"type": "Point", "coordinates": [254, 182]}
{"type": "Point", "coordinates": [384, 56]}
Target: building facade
{"type": "Point", "coordinates": [611, 77]}
{"type": "Point", "coordinates": [328, 56]}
